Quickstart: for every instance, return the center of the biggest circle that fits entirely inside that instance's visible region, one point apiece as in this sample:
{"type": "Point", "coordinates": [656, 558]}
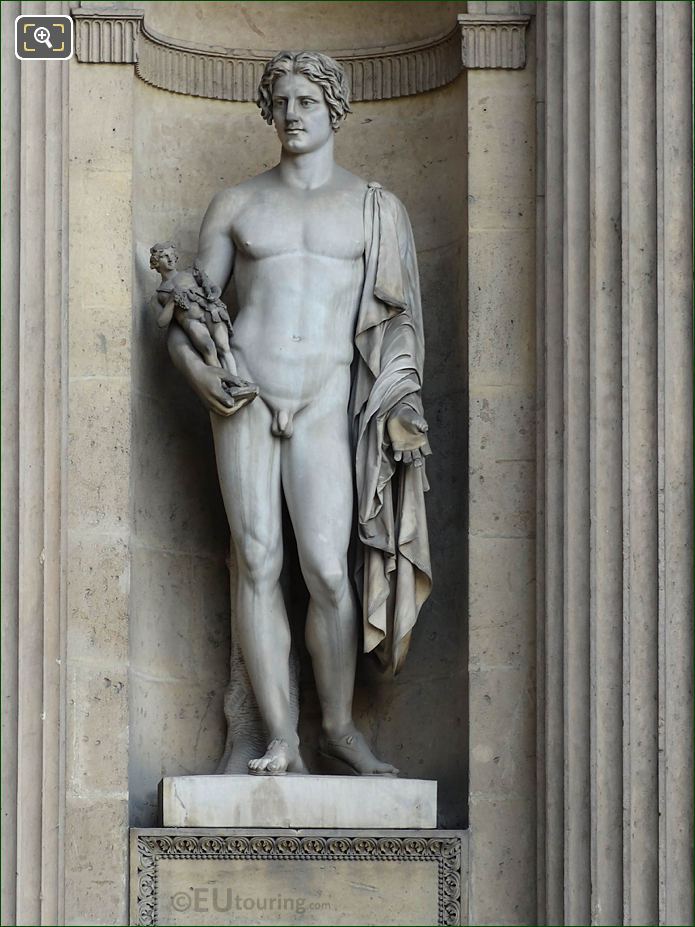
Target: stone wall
{"type": "Point", "coordinates": [552, 208]}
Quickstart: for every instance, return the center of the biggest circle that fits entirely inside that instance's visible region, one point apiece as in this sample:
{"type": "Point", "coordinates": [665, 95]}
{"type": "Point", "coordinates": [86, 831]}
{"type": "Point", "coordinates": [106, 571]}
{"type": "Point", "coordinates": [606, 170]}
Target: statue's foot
{"type": "Point", "coordinates": [278, 760]}
{"type": "Point", "coordinates": [353, 750]}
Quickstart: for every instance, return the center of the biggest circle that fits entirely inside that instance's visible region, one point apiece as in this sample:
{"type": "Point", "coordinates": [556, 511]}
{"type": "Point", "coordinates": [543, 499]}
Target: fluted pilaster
{"type": "Point", "coordinates": [34, 293]}
{"type": "Point", "coordinates": [615, 534]}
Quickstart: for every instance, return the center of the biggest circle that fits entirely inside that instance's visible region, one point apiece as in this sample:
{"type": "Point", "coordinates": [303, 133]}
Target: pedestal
{"type": "Point", "coordinates": [298, 801]}
{"type": "Point", "coordinates": [305, 850]}
{"type": "Point", "coordinates": [251, 876]}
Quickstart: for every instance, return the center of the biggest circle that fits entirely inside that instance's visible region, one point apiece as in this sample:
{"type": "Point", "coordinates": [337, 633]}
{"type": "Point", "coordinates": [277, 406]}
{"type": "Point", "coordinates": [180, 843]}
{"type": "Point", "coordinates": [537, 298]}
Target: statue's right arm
{"type": "Point", "coordinates": [216, 257]}
{"type": "Point", "coordinates": [215, 243]}
{"type": "Point", "coordinates": [166, 313]}
{"type": "Point", "coordinates": [206, 381]}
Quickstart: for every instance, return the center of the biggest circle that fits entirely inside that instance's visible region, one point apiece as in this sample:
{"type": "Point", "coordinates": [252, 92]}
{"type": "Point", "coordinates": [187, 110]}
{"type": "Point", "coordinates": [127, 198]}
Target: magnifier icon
{"type": "Point", "coordinates": [43, 35]}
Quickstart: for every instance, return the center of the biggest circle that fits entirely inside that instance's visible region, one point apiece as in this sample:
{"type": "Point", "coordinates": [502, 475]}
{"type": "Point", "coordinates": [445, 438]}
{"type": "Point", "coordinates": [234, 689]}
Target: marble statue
{"type": "Point", "coordinates": [329, 335]}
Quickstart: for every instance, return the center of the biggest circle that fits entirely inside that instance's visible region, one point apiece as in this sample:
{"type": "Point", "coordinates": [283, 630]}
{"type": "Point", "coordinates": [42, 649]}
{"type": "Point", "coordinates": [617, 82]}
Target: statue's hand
{"type": "Point", "coordinates": [220, 391]}
{"type": "Point", "coordinates": [407, 431]}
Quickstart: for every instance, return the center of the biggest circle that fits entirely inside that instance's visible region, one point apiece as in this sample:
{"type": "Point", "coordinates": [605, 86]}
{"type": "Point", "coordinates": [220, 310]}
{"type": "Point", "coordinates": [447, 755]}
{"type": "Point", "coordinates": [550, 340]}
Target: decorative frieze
{"type": "Point", "coordinates": [494, 40]}
{"type": "Point", "coordinates": [107, 37]}
{"type": "Point", "coordinates": [221, 74]}
{"type": "Point", "coordinates": [121, 36]}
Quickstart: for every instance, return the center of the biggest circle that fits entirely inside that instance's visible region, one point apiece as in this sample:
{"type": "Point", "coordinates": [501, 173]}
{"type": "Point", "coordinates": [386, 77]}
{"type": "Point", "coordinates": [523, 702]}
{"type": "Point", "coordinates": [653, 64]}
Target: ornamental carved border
{"type": "Point", "coordinates": [123, 37]}
{"type": "Point", "coordinates": [445, 851]}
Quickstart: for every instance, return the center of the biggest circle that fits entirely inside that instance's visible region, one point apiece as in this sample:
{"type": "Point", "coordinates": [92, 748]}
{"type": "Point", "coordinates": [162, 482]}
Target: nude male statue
{"type": "Point", "coordinates": [295, 239]}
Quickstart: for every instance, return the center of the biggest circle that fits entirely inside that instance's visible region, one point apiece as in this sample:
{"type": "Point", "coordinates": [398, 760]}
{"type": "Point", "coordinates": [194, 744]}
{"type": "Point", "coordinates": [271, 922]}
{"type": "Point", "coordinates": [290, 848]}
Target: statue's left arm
{"type": "Point", "coordinates": [404, 340]}
{"type": "Point", "coordinates": [390, 430]}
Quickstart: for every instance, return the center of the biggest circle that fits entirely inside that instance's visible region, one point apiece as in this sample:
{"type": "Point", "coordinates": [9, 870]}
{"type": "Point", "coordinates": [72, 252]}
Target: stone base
{"type": "Point", "coordinates": [251, 877]}
{"type": "Point", "coordinates": [298, 801]}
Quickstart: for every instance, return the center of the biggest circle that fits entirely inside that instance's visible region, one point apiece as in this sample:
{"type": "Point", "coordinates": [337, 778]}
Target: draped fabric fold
{"type": "Point", "coordinates": [393, 569]}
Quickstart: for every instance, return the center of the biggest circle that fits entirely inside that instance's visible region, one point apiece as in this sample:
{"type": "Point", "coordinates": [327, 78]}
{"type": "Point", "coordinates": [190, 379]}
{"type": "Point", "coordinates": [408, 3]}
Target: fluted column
{"type": "Point", "coordinates": [615, 498]}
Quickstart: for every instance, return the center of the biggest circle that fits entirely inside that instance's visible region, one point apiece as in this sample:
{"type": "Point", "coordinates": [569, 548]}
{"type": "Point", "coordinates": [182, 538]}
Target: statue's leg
{"type": "Point", "coordinates": [317, 475]}
{"type": "Point", "coordinates": [248, 463]}
{"type": "Point", "coordinates": [198, 332]}
{"type": "Point", "coordinates": [317, 478]}
{"type": "Point", "coordinates": [246, 734]}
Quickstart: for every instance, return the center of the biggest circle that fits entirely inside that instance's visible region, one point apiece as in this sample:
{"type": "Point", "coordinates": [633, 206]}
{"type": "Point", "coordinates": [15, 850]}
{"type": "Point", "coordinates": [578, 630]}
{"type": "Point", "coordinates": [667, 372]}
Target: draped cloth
{"type": "Point", "coordinates": [393, 569]}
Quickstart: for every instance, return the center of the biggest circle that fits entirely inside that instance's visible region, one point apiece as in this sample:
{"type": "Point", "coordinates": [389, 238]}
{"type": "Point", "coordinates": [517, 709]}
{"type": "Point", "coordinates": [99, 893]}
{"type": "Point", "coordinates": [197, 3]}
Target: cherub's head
{"type": "Point", "coordinates": [163, 256]}
{"type": "Point", "coordinates": [306, 95]}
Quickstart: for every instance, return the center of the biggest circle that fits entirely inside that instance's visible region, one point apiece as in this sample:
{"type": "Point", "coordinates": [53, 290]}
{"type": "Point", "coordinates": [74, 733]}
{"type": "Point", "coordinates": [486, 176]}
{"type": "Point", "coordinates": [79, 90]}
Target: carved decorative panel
{"type": "Point", "coordinates": [183, 874]}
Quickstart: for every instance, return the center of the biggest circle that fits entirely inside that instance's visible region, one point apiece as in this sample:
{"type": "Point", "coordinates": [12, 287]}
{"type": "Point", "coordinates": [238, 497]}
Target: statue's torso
{"type": "Point", "coordinates": [299, 269]}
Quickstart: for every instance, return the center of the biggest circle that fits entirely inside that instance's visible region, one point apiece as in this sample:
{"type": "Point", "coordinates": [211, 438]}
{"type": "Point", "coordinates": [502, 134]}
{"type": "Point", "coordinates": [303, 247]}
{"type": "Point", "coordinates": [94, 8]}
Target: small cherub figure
{"type": "Point", "coordinates": [191, 299]}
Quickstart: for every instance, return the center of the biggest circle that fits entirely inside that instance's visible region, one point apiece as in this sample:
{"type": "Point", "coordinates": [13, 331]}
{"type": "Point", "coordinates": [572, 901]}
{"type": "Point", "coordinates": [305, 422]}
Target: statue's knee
{"type": "Point", "coordinates": [259, 564]}
{"type": "Point", "coordinates": [328, 582]}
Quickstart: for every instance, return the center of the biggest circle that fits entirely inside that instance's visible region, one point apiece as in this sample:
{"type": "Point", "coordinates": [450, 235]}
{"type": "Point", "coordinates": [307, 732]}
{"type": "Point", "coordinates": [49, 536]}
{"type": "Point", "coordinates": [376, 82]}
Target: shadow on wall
{"type": "Point", "coordinates": [186, 149]}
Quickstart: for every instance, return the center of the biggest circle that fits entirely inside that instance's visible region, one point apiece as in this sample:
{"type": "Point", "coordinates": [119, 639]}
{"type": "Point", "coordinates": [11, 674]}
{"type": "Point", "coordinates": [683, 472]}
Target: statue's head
{"type": "Point", "coordinates": [163, 254]}
{"type": "Point", "coordinates": [306, 95]}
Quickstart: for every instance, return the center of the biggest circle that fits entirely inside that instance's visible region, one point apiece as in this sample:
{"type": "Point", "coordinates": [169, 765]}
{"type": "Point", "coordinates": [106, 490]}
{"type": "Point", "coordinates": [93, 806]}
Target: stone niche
{"type": "Point", "coordinates": [185, 148]}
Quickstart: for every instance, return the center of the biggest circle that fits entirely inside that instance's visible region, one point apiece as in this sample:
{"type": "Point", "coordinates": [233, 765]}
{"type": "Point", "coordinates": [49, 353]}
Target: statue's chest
{"type": "Point", "coordinates": [332, 226]}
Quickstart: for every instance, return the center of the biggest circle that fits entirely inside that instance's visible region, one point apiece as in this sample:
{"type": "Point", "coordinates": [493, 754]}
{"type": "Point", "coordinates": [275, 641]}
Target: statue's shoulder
{"type": "Point", "coordinates": [232, 198]}
{"type": "Point", "coordinates": [388, 200]}
{"type": "Point", "coordinates": [345, 181]}
{"type": "Point", "coordinates": [361, 188]}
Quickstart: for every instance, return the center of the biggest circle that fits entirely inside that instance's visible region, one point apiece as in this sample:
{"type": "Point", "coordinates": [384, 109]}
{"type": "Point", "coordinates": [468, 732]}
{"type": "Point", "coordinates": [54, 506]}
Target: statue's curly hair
{"type": "Point", "coordinates": [158, 249]}
{"type": "Point", "coordinates": [319, 68]}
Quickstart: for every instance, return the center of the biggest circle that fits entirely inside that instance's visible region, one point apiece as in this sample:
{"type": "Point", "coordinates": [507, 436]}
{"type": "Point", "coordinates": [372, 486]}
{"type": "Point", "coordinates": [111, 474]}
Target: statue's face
{"type": "Point", "coordinates": [300, 114]}
{"type": "Point", "coordinates": [166, 259]}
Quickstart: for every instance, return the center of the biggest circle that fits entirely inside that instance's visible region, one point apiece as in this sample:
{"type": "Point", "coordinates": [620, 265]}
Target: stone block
{"type": "Point", "coordinates": [298, 801]}
{"type": "Point", "coordinates": [502, 861]}
{"type": "Point", "coordinates": [100, 241]}
{"type": "Point", "coordinates": [96, 861]}
{"type": "Point", "coordinates": [99, 339]}
{"type": "Point", "coordinates": [502, 424]}
{"type": "Point", "coordinates": [97, 725]}
{"type": "Point", "coordinates": [98, 454]}
{"type": "Point", "coordinates": [177, 728]}
{"type": "Point", "coordinates": [501, 499]}
{"type": "Point", "coordinates": [502, 136]}
{"type": "Point", "coordinates": [180, 615]}
{"type": "Point", "coordinates": [177, 502]}
{"type": "Point", "coordinates": [101, 116]}
{"type": "Point", "coordinates": [98, 597]}
{"type": "Point", "coordinates": [513, 212]}
{"type": "Point", "coordinates": [501, 602]}
{"type": "Point", "coordinates": [502, 323]}
{"type": "Point", "coordinates": [502, 731]}
{"type": "Point", "coordinates": [502, 475]}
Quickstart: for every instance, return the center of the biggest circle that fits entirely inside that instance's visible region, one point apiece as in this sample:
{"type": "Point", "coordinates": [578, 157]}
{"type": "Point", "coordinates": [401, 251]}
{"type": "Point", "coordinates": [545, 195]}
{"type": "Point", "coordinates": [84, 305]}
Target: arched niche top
{"type": "Point", "coordinates": [381, 73]}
